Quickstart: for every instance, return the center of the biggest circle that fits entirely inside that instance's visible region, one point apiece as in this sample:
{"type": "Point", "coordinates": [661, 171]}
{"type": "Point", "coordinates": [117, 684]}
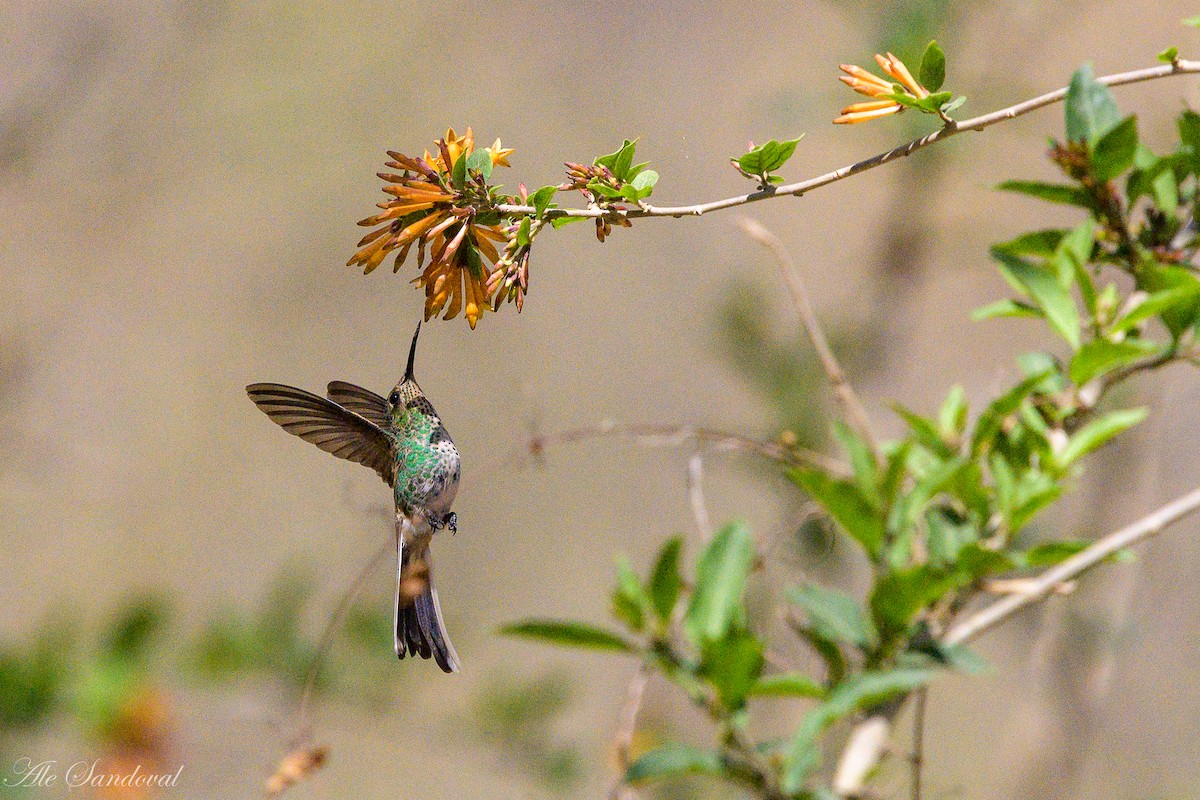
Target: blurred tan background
{"type": "Point", "coordinates": [180, 182]}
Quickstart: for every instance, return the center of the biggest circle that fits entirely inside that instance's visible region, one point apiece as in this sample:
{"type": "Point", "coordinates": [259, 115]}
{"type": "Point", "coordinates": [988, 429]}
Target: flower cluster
{"type": "Point", "coordinates": [599, 186]}
{"type": "Point", "coordinates": [443, 204]}
{"type": "Point", "coordinates": [872, 85]}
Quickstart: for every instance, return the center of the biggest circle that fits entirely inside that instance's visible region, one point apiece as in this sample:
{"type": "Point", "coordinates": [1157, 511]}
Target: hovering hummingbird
{"type": "Point", "coordinates": [402, 438]}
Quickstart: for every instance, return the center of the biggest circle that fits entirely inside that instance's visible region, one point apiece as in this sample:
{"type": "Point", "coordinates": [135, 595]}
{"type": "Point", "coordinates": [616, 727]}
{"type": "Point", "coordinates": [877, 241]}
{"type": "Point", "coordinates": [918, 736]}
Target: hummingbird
{"type": "Point", "coordinates": [403, 439]}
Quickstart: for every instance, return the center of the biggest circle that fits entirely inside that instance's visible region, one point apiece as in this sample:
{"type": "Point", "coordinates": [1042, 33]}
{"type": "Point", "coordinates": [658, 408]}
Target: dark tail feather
{"type": "Point", "coordinates": [420, 630]}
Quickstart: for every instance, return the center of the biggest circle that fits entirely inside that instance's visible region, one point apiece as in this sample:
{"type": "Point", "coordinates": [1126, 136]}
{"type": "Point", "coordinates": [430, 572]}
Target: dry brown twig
{"type": "Point", "coordinates": [852, 407]}
{"type": "Point", "coordinates": [626, 727]}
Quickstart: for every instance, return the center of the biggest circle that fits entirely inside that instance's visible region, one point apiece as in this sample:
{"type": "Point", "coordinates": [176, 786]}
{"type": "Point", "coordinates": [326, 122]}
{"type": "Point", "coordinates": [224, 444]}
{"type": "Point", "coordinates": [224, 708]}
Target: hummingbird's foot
{"type": "Point", "coordinates": [452, 522]}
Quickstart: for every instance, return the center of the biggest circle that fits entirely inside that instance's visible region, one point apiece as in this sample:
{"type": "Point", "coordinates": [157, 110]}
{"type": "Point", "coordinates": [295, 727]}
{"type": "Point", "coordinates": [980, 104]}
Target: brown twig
{"type": "Point", "coordinates": [626, 727]}
{"type": "Point", "coordinates": [695, 487]}
{"type": "Point", "coordinates": [920, 697]}
{"type": "Point", "coordinates": [651, 435]}
{"type": "Point", "coordinates": [1178, 67]}
{"type": "Point", "coordinates": [852, 408]}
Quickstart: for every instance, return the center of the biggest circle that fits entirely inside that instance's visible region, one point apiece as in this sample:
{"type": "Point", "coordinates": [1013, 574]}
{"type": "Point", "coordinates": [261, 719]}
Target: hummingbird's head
{"type": "Point", "coordinates": [407, 389]}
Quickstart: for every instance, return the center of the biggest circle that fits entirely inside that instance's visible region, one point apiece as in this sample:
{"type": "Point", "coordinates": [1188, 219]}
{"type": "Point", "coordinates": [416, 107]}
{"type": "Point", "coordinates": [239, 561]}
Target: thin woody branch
{"type": "Point", "coordinates": [852, 408]}
{"type": "Point", "coordinates": [653, 435]}
{"type": "Point", "coordinates": [1045, 584]}
{"type": "Point", "coordinates": [1178, 67]}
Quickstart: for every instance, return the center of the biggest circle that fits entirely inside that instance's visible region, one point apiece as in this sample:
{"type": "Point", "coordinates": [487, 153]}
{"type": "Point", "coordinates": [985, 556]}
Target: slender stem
{"type": "Point", "coordinates": [920, 697]}
{"type": "Point", "coordinates": [695, 486]}
{"type": "Point", "coordinates": [852, 407]}
{"type": "Point", "coordinates": [303, 721]}
{"type": "Point", "coordinates": [651, 434]}
{"type": "Point", "coordinates": [1045, 583]}
{"type": "Point", "coordinates": [1178, 67]}
{"type": "Point", "coordinates": [626, 727]}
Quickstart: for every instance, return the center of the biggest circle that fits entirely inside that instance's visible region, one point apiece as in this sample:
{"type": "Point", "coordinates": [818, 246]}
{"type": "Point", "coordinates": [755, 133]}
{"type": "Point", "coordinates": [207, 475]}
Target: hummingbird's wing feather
{"type": "Point", "coordinates": [327, 425]}
{"type": "Point", "coordinates": [363, 402]}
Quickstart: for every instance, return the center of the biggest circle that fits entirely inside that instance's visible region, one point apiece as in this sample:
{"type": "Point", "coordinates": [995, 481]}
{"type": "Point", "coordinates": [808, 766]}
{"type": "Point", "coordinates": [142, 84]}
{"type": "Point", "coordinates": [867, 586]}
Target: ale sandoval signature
{"type": "Point", "coordinates": [82, 774]}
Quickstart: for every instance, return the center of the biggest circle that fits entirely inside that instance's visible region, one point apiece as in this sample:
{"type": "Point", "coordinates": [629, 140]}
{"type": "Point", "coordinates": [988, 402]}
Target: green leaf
{"type": "Point", "coordinates": [1193, 22]}
{"type": "Point", "coordinates": [1035, 243]}
{"type": "Point", "coordinates": [1044, 288]}
{"type": "Point", "coordinates": [620, 161]}
{"type": "Point", "coordinates": [480, 161]}
{"type": "Point", "coordinates": [562, 222]}
{"type": "Point", "coordinates": [732, 665]}
{"type": "Point", "coordinates": [1091, 110]}
{"type": "Point", "coordinates": [768, 157]}
{"type": "Point", "coordinates": [932, 72]}
{"type": "Point", "coordinates": [900, 595]}
{"type": "Point", "coordinates": [834, 615]}
{"type": "Point", "coordinates": [1182, 296]}
{"type": "Point", "coordinates": [720, 582]}
{"type": "Point", "coordinates": [1169, 55]}
{"type": "Point", "coordinates": [568, 634]}
{"type": "Point", "coordinates": [862, 462]}
{"type": "Point", "coordinates": [1052, 192]}
{"type": "Point", "coordinates": [458, 173]}
{"type": "Point", "coordinates": [665, 581]}
{"type": "Point", "coordinates": [673, 760]}
{"type": "Point", "coordinates": [856, 693]}
{"type": "Point", "coordinates": [540, 200]}
{"type": "Point", "coordinates": [523, 232]}
{"type": "Point", "coordinates": [629, 601]}
{"type": "Point", "coordinates": [1005, 308]}
{"type": "Point", "coordinates": [1180, 316]}
{"type": "Point", "coordinates": [925, 432]}
{"type": "Point", "coordinates": [644, 182]}
{"type": "Point", "coordinates": [952, 418]}
{"type": "Point", "coordinates": [993, 416]}
{"type": "Point", "coordinates": [1113, 153]}
{"type": "Point", "coordinates": [946, 536]}
{"type": "Point", "coordinates": [1099, 432]}
{"type": "Point", "coordinates": [1189, 135]}
{"type": "Point", "coordinates": [1049, 554]}
{"type": "Point", "coordinates": [1101, 357]}
{"type": "Point", "coordinates": [846, 504]}
{"type": "Point", "coordinates": [599, 187]}
{"type": "Point", "coordinates": [953, 104]}
{"type": "Point", "coordinates": [788, 684]}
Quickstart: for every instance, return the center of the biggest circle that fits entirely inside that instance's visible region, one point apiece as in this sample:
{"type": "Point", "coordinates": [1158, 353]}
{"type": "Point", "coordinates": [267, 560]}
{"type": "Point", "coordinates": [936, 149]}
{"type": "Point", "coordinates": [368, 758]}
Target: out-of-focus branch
{"type": "Point", "coordinates": [695, 486]}
{"type": "Point", "coordinates": [1177, 67]}
{"type": "Point", "coordinates": [852, 408]}
{"type": "Point", "coordinates": [653, 435]}
{"type": "Point", "coordinates": [863, 751]}
{"type": "Point", "coordinates": [626, 727]}
{"type": "Point", "coordinates": [1044, 584]}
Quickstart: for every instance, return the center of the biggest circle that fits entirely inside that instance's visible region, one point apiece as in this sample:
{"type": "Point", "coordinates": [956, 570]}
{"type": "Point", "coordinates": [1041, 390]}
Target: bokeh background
{"type": "Point", "coordinates": [180, 182]}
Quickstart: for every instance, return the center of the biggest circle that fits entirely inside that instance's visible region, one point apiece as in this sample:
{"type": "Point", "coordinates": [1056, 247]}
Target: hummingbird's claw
{"type": "Point", "coordinates": [452, 522]}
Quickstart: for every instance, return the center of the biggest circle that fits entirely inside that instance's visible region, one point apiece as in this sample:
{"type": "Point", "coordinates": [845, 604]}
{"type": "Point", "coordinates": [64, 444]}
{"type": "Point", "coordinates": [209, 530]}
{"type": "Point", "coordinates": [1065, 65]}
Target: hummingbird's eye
{"type": "Point", "coordinates": [394, 398]}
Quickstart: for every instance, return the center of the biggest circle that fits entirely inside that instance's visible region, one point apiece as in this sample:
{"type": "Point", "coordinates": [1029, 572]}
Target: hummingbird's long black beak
{"type": "Point", "coordinates": [412, 355]}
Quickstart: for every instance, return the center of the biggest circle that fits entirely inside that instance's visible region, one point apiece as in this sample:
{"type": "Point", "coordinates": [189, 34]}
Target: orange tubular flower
{"type": "Point", "coordinates": [864, 82]}
{"type": "Point", "coordinates": [430, 210]}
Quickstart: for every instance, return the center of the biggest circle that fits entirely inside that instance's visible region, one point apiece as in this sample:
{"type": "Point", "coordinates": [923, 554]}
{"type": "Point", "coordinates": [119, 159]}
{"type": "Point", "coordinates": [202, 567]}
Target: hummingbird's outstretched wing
{"type": "Point", "coordinates": [363, 402]}
{"type": "Point", "coordinates": [327, 425]}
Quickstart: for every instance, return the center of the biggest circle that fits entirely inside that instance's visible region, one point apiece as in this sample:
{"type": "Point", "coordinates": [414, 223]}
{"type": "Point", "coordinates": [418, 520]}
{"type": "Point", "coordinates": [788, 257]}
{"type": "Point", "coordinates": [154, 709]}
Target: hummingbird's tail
{"type": "Point", "coordinates": [420, 630]}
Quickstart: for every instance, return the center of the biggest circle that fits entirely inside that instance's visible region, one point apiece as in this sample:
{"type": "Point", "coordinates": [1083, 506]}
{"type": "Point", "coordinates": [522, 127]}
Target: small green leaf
{"type": "Point", "coordinates": [1047, 291]}
{"type": "Point", "coordinates": [946, 536]}
{"type": "Point", "coordinates": [540, 200]}
{"type": "Point", "coordinates": [720, 582]}
{"type": "Point", "coordinates": [1049, 554]}
{"type": "Point", "coordinates": [1099, 432]}
{"type": "Point", "coordinates": [620, 161]}
{"type": "Point", "coordinates": [1005, 308]}
{"type": "Point", "coordinates": [665, 581]}
{"type": "Point", "coordinates": [1036, 243]}
{"type": "Point", "coordinates": [846, 504]}
{"type": "Point", "coordinates": [673, 760]}
{"type": "Point", "coordinates": [925, 432]}
{"type": "Point", "coordinates": [953, 104]}
{"type": "Point", "coordinates": [767, 158]}
{"type": "Point", "coordinates": [932, 72]}
{"type": "Point", "coordinates": [732, 665]}
{"type": "Point", "coordinates": [563, 221]}
{"type": "Point", "coordinates": [952, 418]}
{"type": "Point", "coordinates": [629, 601]}
{"type": "Point", "coordinates": [1051, 192]}
{"type": "Point", "coordinates": [1113, 153]}
{"type": "Point", "coordinates": [458, 173]}
{"type": "Point", "coordinates": [645, 181]}
{"type": "Point", "coordinates": [1186, 294]}
{"type": "Point", "coordinates": [1091, 110]}
{"type": "Point", "coordinates": [788, 684]}
{"type": "Point", "coordinates": [480, 161]}
{"type": "Point", "coordinates": [834, 615]}
{"type": "Point", "coordinates": [599, 187]}
{"type": "Point", "coordinates": [1100, 357]}
{"type": "Point", "coordinates": [523, 232]}
{"type": "Point", "coordinates": [569, 634]}
{"type": "Point", "coordinates": [1169, 55]}
{"type": "Point", "coordinates": [900, 595]}
{"type": "Point", "coordinates": [1181, 315]}
{"type": "Point", "coordinates": [1193, 22]}
{"type": "Point", "coordinates": [1189, 134]}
